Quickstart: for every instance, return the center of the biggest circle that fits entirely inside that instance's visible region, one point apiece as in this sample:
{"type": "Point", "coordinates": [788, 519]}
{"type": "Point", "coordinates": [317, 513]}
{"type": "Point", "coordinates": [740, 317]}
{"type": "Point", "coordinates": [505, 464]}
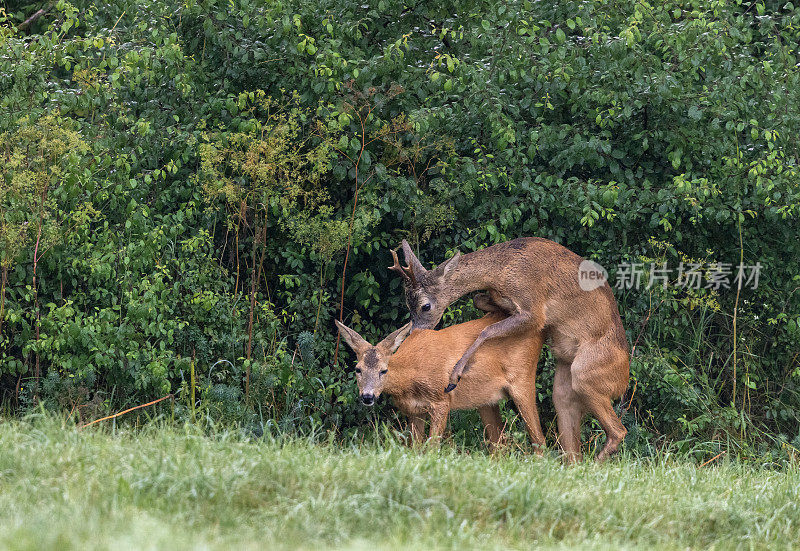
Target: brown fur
{"type": "Point", "coordinates": [535, 282]}
{"type": "Point", "coordinates": [417, 373]}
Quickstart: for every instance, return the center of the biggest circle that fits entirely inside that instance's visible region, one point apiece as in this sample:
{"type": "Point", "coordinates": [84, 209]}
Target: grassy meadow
{"type": "Point", "coordinates": [161, 487]}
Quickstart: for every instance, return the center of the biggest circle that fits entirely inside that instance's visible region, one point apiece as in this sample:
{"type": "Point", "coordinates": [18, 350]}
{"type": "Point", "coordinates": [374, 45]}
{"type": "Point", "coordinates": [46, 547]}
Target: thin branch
{"type": "Point", "coordinates": [3, 283]}
{"type": "Point", "coordinates": [713, 458]}
{"type": "Point", "coordinates": [127, 410]}
{"type": "Point", "coordinates": [736, 308]}
{"type": "Point", "coordinates": [350, 232]}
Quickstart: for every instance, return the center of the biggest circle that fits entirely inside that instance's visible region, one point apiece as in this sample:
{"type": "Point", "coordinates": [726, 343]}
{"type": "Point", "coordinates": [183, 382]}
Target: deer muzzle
{"type": "Point", "coordinates": [368, 399]}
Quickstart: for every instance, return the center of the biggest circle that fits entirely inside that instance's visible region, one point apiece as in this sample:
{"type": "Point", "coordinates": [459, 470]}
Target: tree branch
{"type": "Point", "coordinates": [32, 19]}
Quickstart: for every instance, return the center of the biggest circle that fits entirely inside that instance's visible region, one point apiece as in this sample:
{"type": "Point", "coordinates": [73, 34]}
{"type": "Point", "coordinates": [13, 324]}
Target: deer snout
{"type": "Point", "coordinates": [368, 399]}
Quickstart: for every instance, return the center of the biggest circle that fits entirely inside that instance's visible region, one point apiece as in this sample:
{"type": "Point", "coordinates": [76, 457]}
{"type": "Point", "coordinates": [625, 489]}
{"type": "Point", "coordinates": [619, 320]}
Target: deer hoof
{"type": "Point", "coordinates": [449, 388]}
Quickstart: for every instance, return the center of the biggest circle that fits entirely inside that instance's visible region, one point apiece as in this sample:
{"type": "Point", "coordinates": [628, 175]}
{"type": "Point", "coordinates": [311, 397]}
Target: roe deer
{"type": "Point", "coordinates": [536, 282]}
{"type": "Point", "coordinates": [415, 375]}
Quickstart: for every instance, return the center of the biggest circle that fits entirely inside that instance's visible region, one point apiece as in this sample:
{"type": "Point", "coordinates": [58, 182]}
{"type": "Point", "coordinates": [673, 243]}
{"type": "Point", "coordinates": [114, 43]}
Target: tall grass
{"type": "Point", "coordinates": [160, 487]}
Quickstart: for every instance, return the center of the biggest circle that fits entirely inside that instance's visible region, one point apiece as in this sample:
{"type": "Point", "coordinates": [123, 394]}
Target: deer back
{"type": "Point", "coordinates": [419, 369]}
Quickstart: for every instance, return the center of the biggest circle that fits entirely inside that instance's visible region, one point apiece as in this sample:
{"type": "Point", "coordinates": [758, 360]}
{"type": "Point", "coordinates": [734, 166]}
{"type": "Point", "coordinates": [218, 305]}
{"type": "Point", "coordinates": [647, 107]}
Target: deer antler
{"type": "Point", "coordinates": [405, 271]}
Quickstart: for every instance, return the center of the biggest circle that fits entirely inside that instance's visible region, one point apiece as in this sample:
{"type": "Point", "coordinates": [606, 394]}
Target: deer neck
{"type": "Point", "coordinates": [400, 381]}
{"type": "Point", "coordinates": [471, 274]}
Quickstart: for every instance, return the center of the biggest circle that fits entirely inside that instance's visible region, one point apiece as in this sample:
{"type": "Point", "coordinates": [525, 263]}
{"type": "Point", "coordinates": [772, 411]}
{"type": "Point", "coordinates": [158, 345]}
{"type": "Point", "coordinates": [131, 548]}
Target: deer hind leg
{"type": "Point", "coordinates": [569, 413]}
{"type": "Point", "coordinates": [492, 424]}
{"type": "Point", "coordinates": [600, 407]}
{"type": "Point", "coordinates": [524, 396]}
{"type": "Point", "coordinates": [600, 374]}
{"type": "Point", "coordinates": [521, 321]}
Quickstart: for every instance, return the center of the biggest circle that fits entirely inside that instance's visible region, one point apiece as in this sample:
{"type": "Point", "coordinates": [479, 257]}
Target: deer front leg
{"type": "Point", "coordinates": [438, 422]}
{"type": "Point", "coordinates": [492, 425]}
{"type": "Point", "coordinates": [519, 322]}
{"type": "Point", "coordinates": [417, 430]}
{"type": "Point", "coordinates": [484, 302]}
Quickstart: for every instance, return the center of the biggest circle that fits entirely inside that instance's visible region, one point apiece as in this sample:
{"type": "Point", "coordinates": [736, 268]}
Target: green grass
{"type": "Point", "coordinates": [61, 488]}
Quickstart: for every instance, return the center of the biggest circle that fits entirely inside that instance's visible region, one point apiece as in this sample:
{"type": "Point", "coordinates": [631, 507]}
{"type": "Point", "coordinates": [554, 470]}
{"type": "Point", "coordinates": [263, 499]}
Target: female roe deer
{"type": "Point", "coordinates": [536, 282]}
{"type": "Point", "coordinates": [415, 375]}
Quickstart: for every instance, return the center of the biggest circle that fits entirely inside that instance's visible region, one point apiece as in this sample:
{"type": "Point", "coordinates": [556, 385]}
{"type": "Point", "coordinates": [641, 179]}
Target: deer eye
{"type": "Point", "coordinates": [384, 371]}
{"type": "Point", "coordinates": [426, 307]}
{"type": "Point", "coordinates": [358, 370]}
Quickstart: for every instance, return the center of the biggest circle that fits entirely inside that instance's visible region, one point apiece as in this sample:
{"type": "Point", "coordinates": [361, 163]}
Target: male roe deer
{"type": "Point", "coordinates": [536, 282]}
{"type": "Point", "coordinates": [415, 375]}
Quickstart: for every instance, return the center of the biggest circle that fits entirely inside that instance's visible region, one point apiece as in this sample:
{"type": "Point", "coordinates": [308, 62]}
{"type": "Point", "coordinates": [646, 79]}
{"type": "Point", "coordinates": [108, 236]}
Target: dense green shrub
{"type": "Point", "coordinates": [187, 168]}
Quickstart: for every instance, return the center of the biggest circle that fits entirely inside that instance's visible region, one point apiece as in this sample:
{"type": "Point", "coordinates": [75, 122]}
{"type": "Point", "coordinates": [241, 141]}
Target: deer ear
{"type": "Point", "coordinates": [393, 341]}
{"type": "Point", "coordinates": [412, 260]}
{"type": "Point", "coordinates": [353, 339]}
{"type": "Point", "coordinates": [448, 266]}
